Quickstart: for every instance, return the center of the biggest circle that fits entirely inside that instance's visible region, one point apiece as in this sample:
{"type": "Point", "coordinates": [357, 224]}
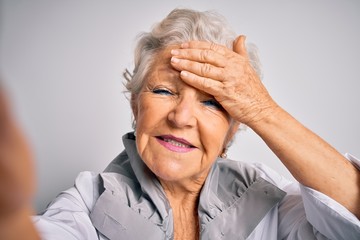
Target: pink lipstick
{"type": "Point", "coordinates": [175, 144]}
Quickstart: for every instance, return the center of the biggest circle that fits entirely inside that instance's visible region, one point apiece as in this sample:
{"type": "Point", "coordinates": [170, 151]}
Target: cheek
{"type": "Point", "coordinates": [152, 111]}
{"type": "Point", "coordinates": [213, 134]}
{"type": "Point", "coordinates": [144, 110]}
{"type": "Point", "coordinates": [149, 118]}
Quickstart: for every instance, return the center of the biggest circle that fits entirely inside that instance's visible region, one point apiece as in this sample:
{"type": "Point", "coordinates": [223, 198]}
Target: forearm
{"type": "Point", "coordinates": [312, 161]}
{"type": "Point", "coordinates": [18, 226]}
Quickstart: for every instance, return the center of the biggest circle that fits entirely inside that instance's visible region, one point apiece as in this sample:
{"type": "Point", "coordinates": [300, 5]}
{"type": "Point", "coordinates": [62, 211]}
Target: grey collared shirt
{"type": "Point", "coordinates": [238, 201]}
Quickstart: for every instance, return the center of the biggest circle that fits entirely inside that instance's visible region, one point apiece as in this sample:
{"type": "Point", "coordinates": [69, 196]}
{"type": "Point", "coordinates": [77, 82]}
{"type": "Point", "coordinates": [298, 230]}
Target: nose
{"type": "Point", "coordinates": [183, 113]}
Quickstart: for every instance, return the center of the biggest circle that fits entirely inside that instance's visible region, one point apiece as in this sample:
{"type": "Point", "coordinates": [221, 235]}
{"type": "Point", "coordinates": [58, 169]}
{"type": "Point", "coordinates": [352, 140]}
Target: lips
{"type": "Point", "coordinates": [175, 140]}
{"type": "Point", "coordinates": [175, 144]}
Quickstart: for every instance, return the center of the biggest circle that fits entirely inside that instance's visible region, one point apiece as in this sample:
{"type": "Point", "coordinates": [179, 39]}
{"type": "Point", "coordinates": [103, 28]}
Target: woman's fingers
{"type": "Point", "coordinates": [201, 55]}
{"type": "Point", "coordinates": [204, 84]}
{"type": "Point", "coordinates": [239, 46]}
{"type": "Point", "coordinates": [206, 59]}
{"type": "Point", "coordinates": [205, 45]}
{"type": "Point", "coordinates": [226, 74]}
{"type": "Point", "coordinates": [206, 70]}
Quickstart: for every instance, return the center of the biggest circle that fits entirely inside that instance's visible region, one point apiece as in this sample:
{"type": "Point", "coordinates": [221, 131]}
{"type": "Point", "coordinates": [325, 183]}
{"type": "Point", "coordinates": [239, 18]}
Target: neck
{"type": "Point", "coordinates": [184, 200]}
{"type": "Point", "coordinates": [185, 212]}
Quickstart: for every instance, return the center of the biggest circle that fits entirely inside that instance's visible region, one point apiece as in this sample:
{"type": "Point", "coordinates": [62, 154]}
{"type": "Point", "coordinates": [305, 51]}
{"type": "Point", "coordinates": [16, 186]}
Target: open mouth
{"type": "Point", "coordinates": [177, 142]}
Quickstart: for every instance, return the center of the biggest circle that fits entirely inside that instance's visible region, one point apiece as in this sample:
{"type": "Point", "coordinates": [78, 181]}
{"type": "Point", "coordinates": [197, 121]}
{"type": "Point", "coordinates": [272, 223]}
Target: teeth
{"type": "Point", "coordinates": [175, 143]}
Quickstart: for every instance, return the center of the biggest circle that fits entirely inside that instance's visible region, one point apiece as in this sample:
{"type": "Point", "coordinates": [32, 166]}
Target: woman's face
{"type": "Point", "coordinates": [180, 130]}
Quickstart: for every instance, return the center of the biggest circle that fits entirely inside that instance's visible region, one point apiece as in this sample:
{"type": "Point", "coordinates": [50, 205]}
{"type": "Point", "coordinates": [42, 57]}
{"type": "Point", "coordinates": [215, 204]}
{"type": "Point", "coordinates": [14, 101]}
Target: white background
{"type": "Point", "coordinates": [62, 64]}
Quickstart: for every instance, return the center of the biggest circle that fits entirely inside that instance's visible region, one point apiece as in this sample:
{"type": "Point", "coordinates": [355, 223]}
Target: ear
{"type": "Point", "coordinates": [231, 133]}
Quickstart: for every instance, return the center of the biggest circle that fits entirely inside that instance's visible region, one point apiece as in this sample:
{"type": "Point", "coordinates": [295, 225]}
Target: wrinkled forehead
{"type": "Point", "coordinates": [163, 56]}
{"type": "Point", "coordinates": [161, 68]}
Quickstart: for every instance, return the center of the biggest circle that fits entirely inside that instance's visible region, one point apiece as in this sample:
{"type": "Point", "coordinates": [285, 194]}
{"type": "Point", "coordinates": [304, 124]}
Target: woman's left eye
{"type": "Point", "coordinates": [162, 91]}
{"type": "Point", "coordinates": [212, 103]}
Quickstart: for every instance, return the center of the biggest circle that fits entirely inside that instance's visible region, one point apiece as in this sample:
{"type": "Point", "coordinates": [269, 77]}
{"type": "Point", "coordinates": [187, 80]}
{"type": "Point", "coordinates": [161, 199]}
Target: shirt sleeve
{"type": "Point", "coordinates": [328, 216]}
{"type": "Point", "coordinates": [67, 217]}
{"type": "Point", "coordinates": [308, 214]}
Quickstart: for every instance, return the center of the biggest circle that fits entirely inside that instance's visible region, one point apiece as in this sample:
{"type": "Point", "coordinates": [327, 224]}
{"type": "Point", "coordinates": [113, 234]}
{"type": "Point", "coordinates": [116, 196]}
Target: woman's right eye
{"type": "Point", "coordinates": [162, 91]}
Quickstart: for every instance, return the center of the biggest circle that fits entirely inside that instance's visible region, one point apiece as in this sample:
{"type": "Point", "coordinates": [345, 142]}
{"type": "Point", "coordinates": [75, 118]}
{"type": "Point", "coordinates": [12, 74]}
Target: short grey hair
{"type": "Point", "coordinates": [181, 25]}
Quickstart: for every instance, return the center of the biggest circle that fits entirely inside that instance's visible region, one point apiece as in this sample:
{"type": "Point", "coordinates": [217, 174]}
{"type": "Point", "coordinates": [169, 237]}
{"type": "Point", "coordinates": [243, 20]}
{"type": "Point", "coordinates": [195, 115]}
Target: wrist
{"type": "Point", "coordinates": [268, 115]}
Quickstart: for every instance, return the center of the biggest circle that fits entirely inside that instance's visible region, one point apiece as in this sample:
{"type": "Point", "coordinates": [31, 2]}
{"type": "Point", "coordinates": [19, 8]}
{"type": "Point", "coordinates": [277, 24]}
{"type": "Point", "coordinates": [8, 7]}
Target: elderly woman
{"type": "Point", "coordinates": [193, 84]}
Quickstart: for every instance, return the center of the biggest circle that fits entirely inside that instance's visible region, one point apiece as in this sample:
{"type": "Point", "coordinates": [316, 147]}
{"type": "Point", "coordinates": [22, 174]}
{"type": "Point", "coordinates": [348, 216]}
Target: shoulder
{"type": "Point", "coordinates": [250, 172]}
{"type": "Point", "coordinates": [88, 186]}
{"type": "Point", "coordinates": [67, 216]}
{"type": "Point", "coordinates": [81, 197]}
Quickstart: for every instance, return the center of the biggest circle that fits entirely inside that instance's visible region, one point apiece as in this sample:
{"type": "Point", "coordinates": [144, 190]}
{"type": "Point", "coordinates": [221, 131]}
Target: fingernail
{"type": "Point", "coordinates": [183, 73]}
{"type": "Point", "coordinates": [175, 52]}
{"type": "Point", "coordinates": [175, 60]}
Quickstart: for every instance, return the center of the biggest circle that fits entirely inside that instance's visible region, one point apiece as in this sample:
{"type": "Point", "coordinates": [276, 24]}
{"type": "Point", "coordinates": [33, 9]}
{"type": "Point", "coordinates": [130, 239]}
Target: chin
{"type": "Point", "coordinates": [171, 175]}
